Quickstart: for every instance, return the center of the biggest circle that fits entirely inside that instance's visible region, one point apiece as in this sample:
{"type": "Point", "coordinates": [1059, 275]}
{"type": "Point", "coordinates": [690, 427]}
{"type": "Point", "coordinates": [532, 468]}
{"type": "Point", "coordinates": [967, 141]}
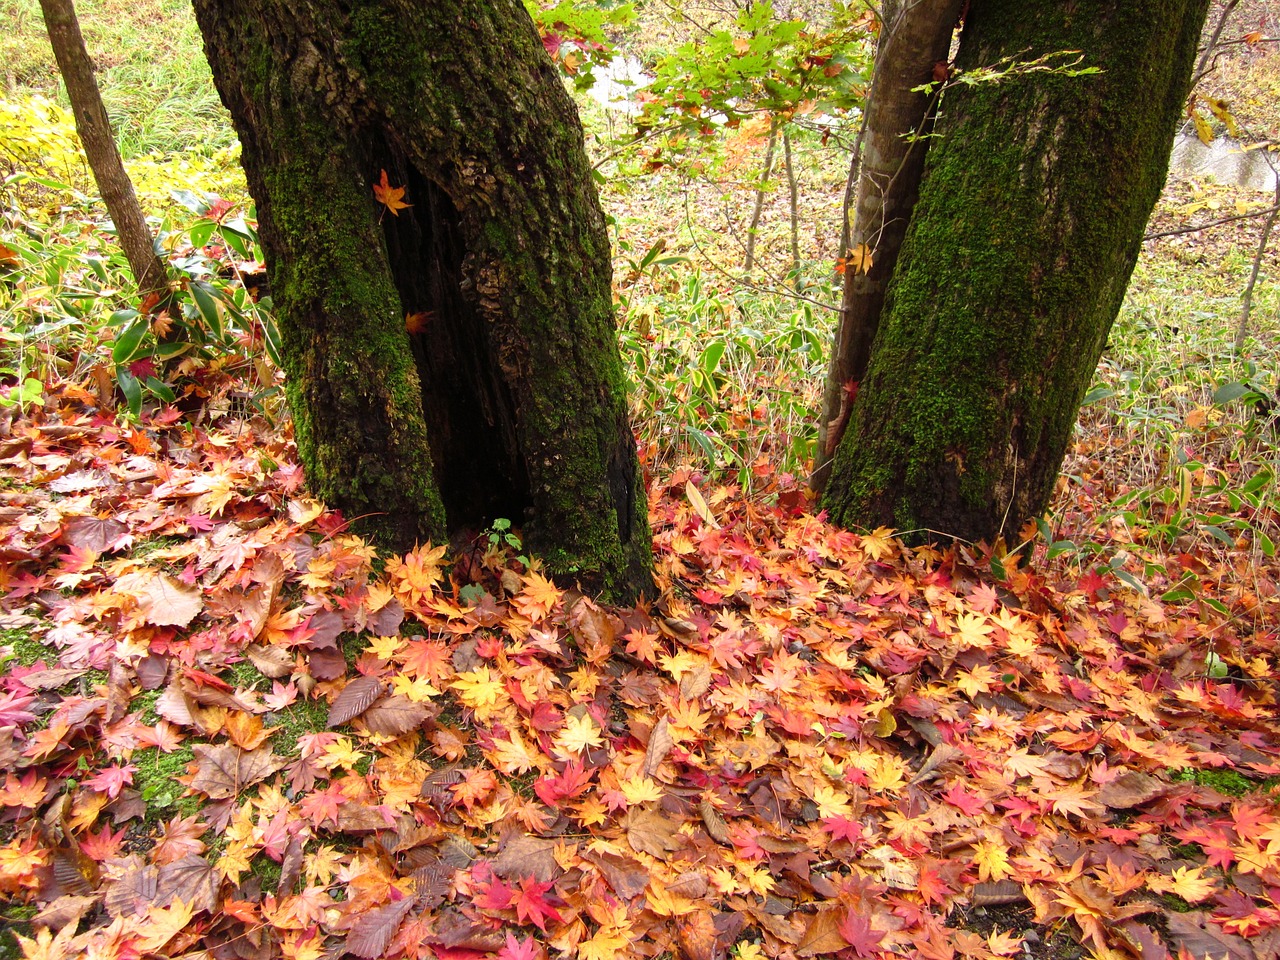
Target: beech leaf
{"type": "Point", "coordinates": [356, 697]}
{"type": "Point", "coordinates": [371, 934]}
{"type": "Point", "coordinates": [394, 716]}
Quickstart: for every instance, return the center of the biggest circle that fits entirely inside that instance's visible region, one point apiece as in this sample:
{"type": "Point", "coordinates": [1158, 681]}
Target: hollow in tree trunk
{"type": "Point", "coordinates": [502, 395]}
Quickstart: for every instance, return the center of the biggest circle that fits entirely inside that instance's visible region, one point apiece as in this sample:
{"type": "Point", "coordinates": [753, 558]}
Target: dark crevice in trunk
{"type": "Point", "coordinates": [468, 408]}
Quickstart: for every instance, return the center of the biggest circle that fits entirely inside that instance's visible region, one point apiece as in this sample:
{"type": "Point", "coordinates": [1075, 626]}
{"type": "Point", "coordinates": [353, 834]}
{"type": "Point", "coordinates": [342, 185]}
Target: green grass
{"type": "Point", "coordinates": [1227, 782]}
{"type": "Point", "coordinates": [154, 78]}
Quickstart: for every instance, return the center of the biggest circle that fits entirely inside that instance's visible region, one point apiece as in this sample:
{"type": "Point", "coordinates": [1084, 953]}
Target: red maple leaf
{"type": "Point", "coordinates": [568, 783]}
{"type": "Point", "coordinates": [493, 894]}
{"type": "Point", "coordinates": [103, 844]}
{"type": "Point", "coordinates": [858, 932]}
{"type": "Point", "coordinates": [844, 828]}
{"type": "Point", "coordinates": [111, 780]}
{"type": "Point", "coordinates": [962, 799]}
{"type": "Point", "coordinates": [526, 949]}
{"type": "Point", "coordinates": [427, 658]}
{"type": "Point", "coordinates": [323, 805]}
{"type": "Point", "coordinates": [532, 904]}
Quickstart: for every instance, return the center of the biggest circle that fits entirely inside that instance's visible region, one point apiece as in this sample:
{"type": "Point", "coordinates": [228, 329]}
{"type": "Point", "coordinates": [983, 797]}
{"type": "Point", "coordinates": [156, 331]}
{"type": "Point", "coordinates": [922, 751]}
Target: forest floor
{"type": "Point", "coordinates": [230, 729]}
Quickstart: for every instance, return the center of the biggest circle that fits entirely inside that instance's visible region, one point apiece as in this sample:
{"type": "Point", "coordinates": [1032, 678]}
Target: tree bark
{"type": "Point", "coordinates": [894, 145]}
{"type": "Point", "coordinates": [1031, 213]}
{"type": "Point", "coordinates": [509, 401]}
{"type": "Point", "coordinates": [100, 146]}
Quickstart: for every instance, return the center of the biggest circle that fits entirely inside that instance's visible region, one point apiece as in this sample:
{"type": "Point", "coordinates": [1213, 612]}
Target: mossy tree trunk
{"type": "Point", "coordinates": [1031, 212]}
{"type": "Point", "coordinates": [895, 140]}
{"type": "Point", "coordinates": [508, 399]}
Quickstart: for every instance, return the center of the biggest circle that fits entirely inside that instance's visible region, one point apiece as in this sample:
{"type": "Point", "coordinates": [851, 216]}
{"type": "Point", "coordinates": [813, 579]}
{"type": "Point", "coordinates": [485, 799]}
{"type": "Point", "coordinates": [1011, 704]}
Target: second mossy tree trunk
{"type": "Point", "coordinates": [1035, 196]}
{"type": "Point", "coordinates": [451, 361]}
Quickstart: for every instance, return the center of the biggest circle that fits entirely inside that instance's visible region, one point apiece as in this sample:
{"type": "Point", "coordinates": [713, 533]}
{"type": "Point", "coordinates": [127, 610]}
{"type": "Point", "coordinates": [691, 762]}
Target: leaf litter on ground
{"type": "Point", "coordinates": [812, 742]}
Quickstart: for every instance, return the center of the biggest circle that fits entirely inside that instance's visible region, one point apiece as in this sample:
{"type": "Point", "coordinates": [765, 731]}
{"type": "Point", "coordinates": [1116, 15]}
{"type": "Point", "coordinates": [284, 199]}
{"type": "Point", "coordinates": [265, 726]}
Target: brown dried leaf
{"type": "Point", "coordinates": [1202, 938]}
{"type": "Point", "coordinates": [696, 936]}
{"type": "Point", "coordinates": [273, 662]}
{"type": "Point", "coordinates": [91, 533]}
{"type": "Point", "coordinates": [652, 832]}
{"type": "Point", "coordinates": [394, 716]}
{"type": "Point", "coordinates": [134, 889]}
{"type": "Point", "coordinates": [51, 679]}
{"type": "Point", "coordinates": [1131, 789]}
{"type": "Point", "coordinates": [527, 856]}
{"type": "Point", "coordinates": [224, 770]}
{"type": "Point", "coordinates": [356, 697]}
{"type": "Point", "coordinates": [65, 910]}
{"type": "Point", "coordinates": [175, 706]}
{"type": "Point", "coordinates": [822, 935]}
{"type": "Point", "coordinates": [717, 829]}
{"type": "Point", "coordinates": [696, 682]}
{"type": "Point", "coordinates": [372, 932]}
{"type": "Point", "coordinates": [660, 744]}
{"type": "Point", "coordinates": [627, 877]}
{"type": "Point", "coordinates": [449, 744]}
{"type": "Point", "coordinates": [191, 880]}
{"type": "Point", "coordinates": [593, 629]}
{"type": "Point", "coordinates": [165, 602]}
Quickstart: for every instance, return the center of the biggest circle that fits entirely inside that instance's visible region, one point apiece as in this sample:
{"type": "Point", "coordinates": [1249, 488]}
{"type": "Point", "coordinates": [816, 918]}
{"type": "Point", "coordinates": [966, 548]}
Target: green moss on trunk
{"type": "Point", "coordinates": [1030, 217]}
{"type": "Point", "coordinates": [513, 389]}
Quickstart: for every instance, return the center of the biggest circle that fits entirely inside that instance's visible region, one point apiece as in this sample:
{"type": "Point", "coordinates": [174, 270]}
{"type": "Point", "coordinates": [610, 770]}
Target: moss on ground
{"type": "Point", "coordinates": [19, 644]}
{"type": "Point", "coordinates": [156, 780]}
{"type": "Point", "coordinates": [1227, 782]}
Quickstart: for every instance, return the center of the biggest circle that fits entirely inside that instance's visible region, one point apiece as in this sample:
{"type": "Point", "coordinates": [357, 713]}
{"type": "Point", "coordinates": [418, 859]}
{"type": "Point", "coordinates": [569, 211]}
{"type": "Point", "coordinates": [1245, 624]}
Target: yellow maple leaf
{"type": "Point", "coordinates": [877, 544]}
{"type": "Point", "coordinates": [667, 904]}
{"type": "Point", "coordinates": [480, 690]}
{"type": "Point", "coordinates": [20, 861]}
{"type": "Point", "coordinates": [46, 946]}
{"type": "Point", "coordinates": [512, 756]}
{"type": "Point", "coordinates": [972, 630]}
{"type": "Point", "coordinates": [992, 859]}
{"type": "Point", "coordinates": [831, 802]}
{"type": "Point", "coordinates": [390, 197]}
{"type": "Point", "coordinates": [577, 735]}
{"type": "Point", "coordinates": [888, 774]}
{"type": "Point", "coordinates": [414, 577]}
{"type": "Point", "coordinates": [416, 689]}
{"type": "Point", "coordinates": [161, 925]}
{"type": "Point", "coordinates": [340, 753]}
{"type": "Point", "coordinates": [858, 260]}
{"type": "Point", "coordinates": [1189, 883]}
{"type": "Point", "coordinates": [978, 680]}
{"type": "Point", "coordinates": [639, 790]}
{"type": "Point", "coordinates": [538, 598]}
{"type": "Point", "coordinates": [607, 943]}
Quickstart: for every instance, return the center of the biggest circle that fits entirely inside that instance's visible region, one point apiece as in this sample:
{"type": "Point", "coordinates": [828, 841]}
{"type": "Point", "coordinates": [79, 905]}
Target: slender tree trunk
{"type": "Point", "coordinates": [507, 399]}
{"type": "Point", "coordinates": [754, 228]}
{"type": "Point", "coordinates": [793, 194]}
{"type": "Point", "coordinates": [100, 146]}
{"type": "Point", "coordinates": [1028, 225]}
{"type": "Point", "coordinates": [894, 145]}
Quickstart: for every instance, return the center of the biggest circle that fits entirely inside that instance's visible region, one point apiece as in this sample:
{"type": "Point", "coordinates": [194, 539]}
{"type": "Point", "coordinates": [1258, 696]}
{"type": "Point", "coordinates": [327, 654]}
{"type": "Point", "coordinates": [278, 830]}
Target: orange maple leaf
{"type": "Point", "coordinates": [390, 197]}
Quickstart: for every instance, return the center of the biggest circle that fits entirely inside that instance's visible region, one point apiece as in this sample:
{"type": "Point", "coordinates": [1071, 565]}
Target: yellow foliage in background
{"type": "Point", "coordinates": [38, 142]}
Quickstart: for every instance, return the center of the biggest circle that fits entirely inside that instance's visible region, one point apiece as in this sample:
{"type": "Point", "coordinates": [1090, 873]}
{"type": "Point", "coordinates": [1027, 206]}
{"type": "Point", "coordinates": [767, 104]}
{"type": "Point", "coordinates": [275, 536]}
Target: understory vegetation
{"type": "Point", "coordinates": [852, 677]}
